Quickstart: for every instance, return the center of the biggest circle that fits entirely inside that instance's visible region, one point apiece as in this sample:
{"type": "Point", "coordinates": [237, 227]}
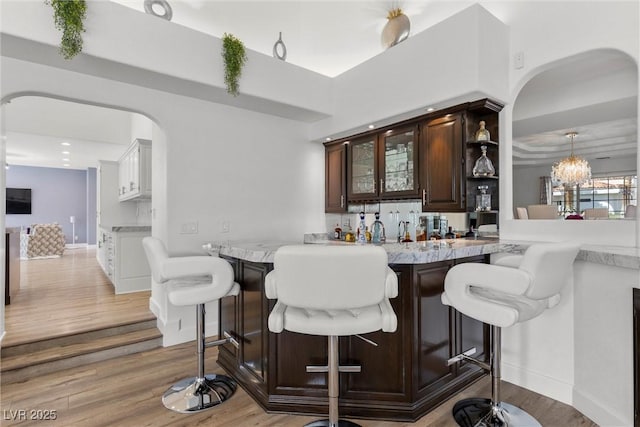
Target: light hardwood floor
{"type": "Point", "coordinates": [66, 295]}
{"type": "Point", "coordinates": [126, 391]}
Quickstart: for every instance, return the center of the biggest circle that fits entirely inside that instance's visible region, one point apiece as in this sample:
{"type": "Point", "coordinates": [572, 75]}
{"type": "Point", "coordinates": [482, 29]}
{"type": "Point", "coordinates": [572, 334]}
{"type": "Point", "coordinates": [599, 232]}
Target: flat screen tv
{"type": "Point", "coordinates": [19, 201]}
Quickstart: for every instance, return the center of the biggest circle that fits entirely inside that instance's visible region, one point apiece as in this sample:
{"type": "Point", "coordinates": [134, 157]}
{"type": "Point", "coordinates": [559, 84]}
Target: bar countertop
{"type": "Point", "coordinates": [429, 251]}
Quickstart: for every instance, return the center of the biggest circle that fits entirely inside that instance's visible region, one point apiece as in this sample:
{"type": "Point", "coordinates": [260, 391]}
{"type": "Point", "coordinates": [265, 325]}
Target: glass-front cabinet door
{"type": "Point", "coordinates": [398, 163]}
{"type": "Point", "coordinates": [363, 170]}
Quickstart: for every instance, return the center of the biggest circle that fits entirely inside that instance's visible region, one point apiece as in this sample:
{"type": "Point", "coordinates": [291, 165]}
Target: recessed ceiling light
{"type": "Point", "coordinates": [66, 165]}
{"type": "Point", "coordinates": [66, 152]}
{"type": "Point", "coordinates": [327, 138]}
{"type": "Point", "coordinates": [371, 126]}
{"type": "Point", "coordinates": [66, 144]}
{"type": "Point", "coordinates": [65, 160]}
{"type": "Point", "coordinates": [430, 109]}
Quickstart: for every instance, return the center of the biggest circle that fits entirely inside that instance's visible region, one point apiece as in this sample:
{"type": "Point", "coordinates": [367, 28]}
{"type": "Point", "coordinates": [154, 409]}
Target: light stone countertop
{"type": "Point", "coordinates": [426, 252]}
{"type": "Point", "coordinates": [398, 253]}
{"type": "Point", "coordinates": [131, 228]}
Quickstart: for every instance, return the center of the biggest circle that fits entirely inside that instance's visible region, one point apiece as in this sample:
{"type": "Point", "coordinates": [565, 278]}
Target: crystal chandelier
{"type": "Point", "coordinates": [573, 170]}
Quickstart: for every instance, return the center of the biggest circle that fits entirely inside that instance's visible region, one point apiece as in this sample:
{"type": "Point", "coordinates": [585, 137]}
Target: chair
{"type": "Point", "coordinates": [630, 212]}
{"type": "Point", "coordinates": [194, 280]}
{"type": "Point", "coordinates": [596, 213]}
{"type": "Point", "coordinates": [542, 212]}
{"type": "Point", "coordinates": [522, 213]}
{"type": "Point", "coordinates": [515, 289]}
{"type": "Point", "coordinates": [487, 229]}
{"type": "Point", "coordinates": [45, 240]}
{"type": "Point", "coordinates": [332, 291]}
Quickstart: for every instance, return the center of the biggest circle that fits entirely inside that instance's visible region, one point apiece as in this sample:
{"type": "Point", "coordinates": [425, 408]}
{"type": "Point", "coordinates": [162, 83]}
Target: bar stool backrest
{"type": "Point", "coordinates": [549, 265]}
{"type": "Point", "coordinates": [330, 277]}
{"type": "Point", "coordinates": [156, 255]}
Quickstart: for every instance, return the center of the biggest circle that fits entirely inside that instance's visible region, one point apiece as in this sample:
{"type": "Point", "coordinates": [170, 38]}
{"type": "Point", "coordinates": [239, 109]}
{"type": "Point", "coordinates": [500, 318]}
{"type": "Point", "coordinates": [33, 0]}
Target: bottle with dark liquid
{"type": "Point", "coordinates": [450, 234]}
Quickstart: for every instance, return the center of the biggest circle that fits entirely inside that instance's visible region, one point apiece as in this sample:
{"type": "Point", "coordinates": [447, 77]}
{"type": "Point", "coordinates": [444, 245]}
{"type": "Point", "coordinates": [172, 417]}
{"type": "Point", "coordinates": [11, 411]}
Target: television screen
{"type": "Point", "coordinates": [18, 201]}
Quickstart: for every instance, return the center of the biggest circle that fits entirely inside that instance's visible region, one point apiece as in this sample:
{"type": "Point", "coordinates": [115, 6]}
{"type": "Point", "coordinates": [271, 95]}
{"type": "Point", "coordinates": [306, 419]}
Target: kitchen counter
{"type": "Point", "coordinates": [398, 253]}
{"type": "Point", "coordinates": [131, 228]}
{"type": "Point", "coordinates": [430, 251]}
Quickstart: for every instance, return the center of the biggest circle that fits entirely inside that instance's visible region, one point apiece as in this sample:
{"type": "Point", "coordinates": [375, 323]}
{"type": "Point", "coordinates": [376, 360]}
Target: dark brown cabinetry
{"type": "Point", "coordinates": [486, 111]}
{"type": "Point", "coordinates": [636, 357]}
{"type": "Point", "coordinates": [403, 378]}
{"type": "Point", "coordinates": [441, 165]}
{"type": "Point", "coordinates": [430, 157]}
{"type": "Point", "coordinates": [336, 178]}
{"type": "Point", "coordinates": [383, 166]}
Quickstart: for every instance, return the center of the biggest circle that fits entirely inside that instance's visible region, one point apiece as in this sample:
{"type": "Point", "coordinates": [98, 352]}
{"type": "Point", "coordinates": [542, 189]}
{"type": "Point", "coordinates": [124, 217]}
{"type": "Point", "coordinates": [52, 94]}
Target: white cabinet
{"type": "Point", "coordinates": [122, 258]}
{"type": "Point", "coordinates": [134, 175]}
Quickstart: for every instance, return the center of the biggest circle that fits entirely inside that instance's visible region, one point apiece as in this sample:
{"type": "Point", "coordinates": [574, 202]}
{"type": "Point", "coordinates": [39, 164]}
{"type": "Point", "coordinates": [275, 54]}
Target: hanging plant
{"type": "Point", "coordinates": [234, 58]}
{"type": "Point", "coordinates": [69, 18]}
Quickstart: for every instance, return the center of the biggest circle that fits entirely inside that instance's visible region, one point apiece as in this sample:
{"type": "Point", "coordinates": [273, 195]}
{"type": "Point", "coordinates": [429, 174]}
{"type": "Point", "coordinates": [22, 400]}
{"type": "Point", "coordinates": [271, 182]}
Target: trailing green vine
{"type": "Point", "coordinates": [235, 57]}
{"type": "Point", "coordinates": [69, 18]}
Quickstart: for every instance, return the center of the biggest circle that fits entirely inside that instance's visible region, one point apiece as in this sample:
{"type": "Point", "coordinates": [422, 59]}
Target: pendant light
{"type": "Point", "coordinates": [573, 170]}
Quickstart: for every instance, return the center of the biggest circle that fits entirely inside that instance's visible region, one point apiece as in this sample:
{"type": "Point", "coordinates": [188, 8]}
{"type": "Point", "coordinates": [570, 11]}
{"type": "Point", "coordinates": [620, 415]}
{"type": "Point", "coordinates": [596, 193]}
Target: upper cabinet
{"type": "Point", "coordinates": [134, 177]}
{"type": "Point", "coordinates": [398, 161]}
{"type": "Point", "coordinates": [382, 166]}
{"type": "Point", "coordinates": [336, 178]}
{"type": "Point", "coordinates": [363, 168]}
{"type": "Point", "coordinates": [428, 158]}
{"type": "Point", "coordinates": [441, 160]}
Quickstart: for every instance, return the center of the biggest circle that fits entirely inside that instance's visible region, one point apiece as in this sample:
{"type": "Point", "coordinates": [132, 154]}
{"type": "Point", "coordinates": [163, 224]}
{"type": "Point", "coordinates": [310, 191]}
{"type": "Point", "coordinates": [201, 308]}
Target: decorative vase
{"type": "Point", "coordinates": [483, 200]}
{"type": "Point", "coordinates": [483, 166]}
{"type": "Point", "coordinates": [280, 44]}
{"type": "Point", "coordinates": [396, 29]}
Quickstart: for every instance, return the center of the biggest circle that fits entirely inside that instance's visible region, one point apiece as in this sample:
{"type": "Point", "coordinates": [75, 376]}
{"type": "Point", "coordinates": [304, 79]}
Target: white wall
{"type": "Point", "coordinates": [570, 28]}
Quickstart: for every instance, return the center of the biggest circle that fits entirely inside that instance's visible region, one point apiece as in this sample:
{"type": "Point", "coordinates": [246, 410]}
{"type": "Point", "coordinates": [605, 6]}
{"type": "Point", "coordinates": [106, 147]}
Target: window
{"type": "Point", "coordinates": [611, 192]}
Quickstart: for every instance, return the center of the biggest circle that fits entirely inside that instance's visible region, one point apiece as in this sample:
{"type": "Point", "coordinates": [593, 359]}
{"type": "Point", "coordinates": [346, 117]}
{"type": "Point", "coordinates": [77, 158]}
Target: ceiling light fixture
{"type": "Point", "coordinates": [573, 170]}
{"type": "Point", "coordinates": [65, 160]}
{"type": "Point", "coordinates": [430, 109]}
{"type": "Point", "coordinates": [66, 152]}
{"type": "Point", "coordinates": [66, 144]}
{"type": "Point", "coordinates": [371, 126]}
{"type": "Point", "coordinates": [328, 139]}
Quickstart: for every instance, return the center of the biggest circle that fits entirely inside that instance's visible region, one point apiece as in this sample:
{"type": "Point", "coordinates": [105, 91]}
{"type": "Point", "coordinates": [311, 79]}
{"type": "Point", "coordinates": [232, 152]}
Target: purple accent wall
{"type": "Point", "coordinates": [56, 195]}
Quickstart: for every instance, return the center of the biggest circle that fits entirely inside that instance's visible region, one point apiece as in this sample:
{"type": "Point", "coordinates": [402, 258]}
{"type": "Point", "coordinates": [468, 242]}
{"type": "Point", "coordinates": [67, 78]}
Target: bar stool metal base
{"type": "Point", "coordinates": [326, 423]}
{"type": "Point", "coordinates": [477, 412]}
{"type": "Point", "coordinates": [195, 394]}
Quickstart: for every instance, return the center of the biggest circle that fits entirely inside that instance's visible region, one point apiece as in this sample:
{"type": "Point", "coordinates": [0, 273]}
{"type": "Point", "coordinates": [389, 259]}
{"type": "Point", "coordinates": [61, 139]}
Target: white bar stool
{"type": "Point", "coordinates": [333, 291]}
{"type": "Point", "coordinates": [194, 280]}
{"type": "Point", "coordinates": [515, 289]}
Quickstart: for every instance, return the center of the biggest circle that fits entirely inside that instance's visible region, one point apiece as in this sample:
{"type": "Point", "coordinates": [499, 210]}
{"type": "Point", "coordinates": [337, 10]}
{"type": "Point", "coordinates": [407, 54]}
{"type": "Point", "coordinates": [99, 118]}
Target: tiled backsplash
{"type": "Point", "coordinates": [390, 214]}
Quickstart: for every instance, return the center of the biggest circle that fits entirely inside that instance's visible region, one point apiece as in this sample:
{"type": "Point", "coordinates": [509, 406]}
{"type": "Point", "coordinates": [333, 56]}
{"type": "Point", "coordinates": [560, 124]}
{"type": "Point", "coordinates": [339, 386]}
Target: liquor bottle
{"type": "Point", "coordinates": [482, 134]}
{"type": "Point", "coordinates": [367, 234]}
{"type": "Point", "coordinates": [378, 230]}
{"type": "Point", "coordinates": [337, 232]}
{"type": "Point", "coordinates": [362, 229]}
{"type": "Point", "coordinates": [450, 234]}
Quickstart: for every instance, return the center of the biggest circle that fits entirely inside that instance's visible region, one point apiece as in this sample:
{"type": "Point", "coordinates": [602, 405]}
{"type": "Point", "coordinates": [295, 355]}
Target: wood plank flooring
{"type": "Point", "coordinates": [66, 295]}
{"type": "Point", "coordinates": [127, 391]}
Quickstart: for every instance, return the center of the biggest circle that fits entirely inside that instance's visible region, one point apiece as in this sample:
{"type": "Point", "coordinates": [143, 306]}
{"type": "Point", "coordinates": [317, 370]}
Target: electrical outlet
{"type": "Point", "coordinates": [518, 60]}
{"type": "Point", "coordinates": [189, 228]}
{"type": "Point", "coordinates": [225, 226]}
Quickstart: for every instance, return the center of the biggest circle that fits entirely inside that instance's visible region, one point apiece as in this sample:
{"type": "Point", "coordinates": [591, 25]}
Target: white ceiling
{"type": "Point", "coordinates": [593, 95]}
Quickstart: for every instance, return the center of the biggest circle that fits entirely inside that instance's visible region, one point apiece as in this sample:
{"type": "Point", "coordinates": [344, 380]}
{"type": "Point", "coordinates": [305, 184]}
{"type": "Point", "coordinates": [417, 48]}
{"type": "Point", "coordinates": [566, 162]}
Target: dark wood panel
{"type": "Point", "coordinates": [402, 379]}
{"type": "Point", "coordinates": [384, 368]}
{"type": "Point", "coordinates": [11, 264]}
{"type": "Point", "coordinates": [253, 314]}
{"type": "Point", "coordinates": [636, 356]}
{"type": "Point", "coordinates": [336, 178]}
{"type": "Point", "coordinates": [441, 164]}
{"type": "Point", "coordinates": [435, 325]}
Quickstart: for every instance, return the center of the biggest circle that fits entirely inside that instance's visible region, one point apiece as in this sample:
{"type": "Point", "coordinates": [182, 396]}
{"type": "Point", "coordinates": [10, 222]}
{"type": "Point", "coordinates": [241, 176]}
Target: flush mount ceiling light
{"type": "Point", "coordinates": [573, 170]}
{"type": "Point", "coordinates": [152, 6]}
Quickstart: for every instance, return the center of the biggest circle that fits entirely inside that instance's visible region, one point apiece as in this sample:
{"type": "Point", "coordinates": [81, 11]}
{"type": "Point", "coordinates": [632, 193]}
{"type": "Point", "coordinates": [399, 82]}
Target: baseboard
{"type": "Point", "coordinates": [173, 333]}
{"type": "Point", "coordinates": [539, 383]}
{"type": "Point", "coordinates": [592, 408]}
{"type": "Point", "coordinates": [75, 246]}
